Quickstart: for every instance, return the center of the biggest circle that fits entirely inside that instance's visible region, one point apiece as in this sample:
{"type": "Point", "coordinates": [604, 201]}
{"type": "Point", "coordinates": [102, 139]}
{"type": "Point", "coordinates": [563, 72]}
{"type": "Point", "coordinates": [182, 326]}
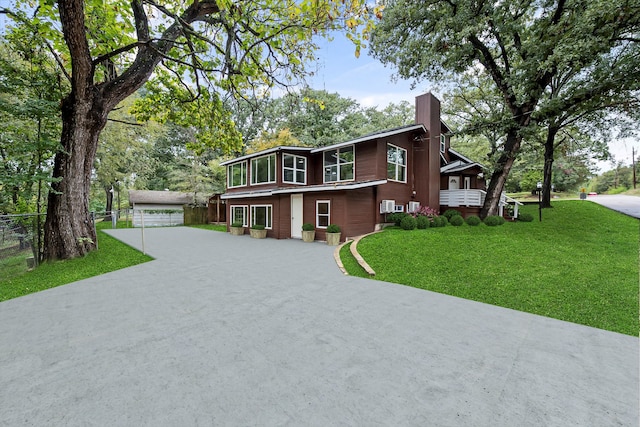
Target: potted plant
{"type": "Point", "coordinates": [236, 229]}
{"type": "Point", "coordinates": [333, 235]}
{"type": "Point", "coordinates": [308, 232]}
{"type": "Point", "coordinates": [258, 231]}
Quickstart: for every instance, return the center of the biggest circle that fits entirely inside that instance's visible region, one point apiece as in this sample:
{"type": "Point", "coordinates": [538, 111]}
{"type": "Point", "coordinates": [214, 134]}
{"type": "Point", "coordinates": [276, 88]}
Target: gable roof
{"type": "Point", "coordinates": [265, 152]}
{"type": "Point", "coordinates": [376, 135]}
{"type": "Point", "coordinates": [160, 197]}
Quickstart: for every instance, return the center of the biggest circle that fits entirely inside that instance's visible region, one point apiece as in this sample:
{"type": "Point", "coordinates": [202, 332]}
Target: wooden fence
{"type": "Point", "coordinates": [196, 215]}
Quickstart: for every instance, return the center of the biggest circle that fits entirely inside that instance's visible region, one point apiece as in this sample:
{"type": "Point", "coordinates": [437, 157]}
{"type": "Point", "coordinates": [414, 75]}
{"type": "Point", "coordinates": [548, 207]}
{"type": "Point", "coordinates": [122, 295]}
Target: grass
{"type": "Point", "coordinates": [112, 255]}
{"type": "Point", "coordinates": [580, 264]}
{"type": "Point", "coordinates": [214, 227]}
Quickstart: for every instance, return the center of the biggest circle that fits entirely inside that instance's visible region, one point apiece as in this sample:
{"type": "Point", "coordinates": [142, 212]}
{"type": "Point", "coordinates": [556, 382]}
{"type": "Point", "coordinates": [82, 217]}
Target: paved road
{"type": "Point", "coordinates": [629, 205]}
{"type": "Point", "coordinates": [231, 331]}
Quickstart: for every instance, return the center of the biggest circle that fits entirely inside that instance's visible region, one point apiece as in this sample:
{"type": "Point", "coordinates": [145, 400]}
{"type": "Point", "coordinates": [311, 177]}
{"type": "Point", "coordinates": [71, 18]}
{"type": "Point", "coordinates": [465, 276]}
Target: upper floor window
{"type": "Point", "coordinates": [263, 169]}
{"type": "Point", "coordinates": [396, 163]}
{"type": "Point", "coordinates": [237, 175]}
{"type": "Point", "coordinates": [339, 164]}
{"type": "Point", "coordinates": [443, 143]}
{"type": "Point", "coordinates": [294, 169]}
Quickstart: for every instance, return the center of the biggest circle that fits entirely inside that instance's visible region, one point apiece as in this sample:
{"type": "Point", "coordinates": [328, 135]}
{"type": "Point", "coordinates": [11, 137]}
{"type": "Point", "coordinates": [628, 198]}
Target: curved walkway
{"type": "Point", "coordinates": [226, 330]}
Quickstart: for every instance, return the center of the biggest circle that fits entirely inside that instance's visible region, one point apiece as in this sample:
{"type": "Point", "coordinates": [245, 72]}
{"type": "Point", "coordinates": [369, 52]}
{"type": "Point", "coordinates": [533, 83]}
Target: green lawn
{"type": "Point", "coordinates": [214, 227]}
{"type": "Point", "coordinates": [579, 264]}
{"type": "Point", "coordinates": [111, 255]}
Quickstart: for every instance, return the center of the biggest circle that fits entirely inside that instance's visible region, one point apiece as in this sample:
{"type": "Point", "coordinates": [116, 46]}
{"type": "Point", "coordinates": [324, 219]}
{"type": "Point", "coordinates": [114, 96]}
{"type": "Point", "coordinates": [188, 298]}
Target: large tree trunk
{"type": "Point", "coordinates": [549, 148]}
{"type": "Point", "coordinates": [500, 175]}
{"type": "Point", "coordinates": [69, 227]}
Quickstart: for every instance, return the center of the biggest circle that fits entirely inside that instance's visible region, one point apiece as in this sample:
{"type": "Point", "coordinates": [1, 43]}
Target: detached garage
{"type": "Point", "coordinates": [158, 208]}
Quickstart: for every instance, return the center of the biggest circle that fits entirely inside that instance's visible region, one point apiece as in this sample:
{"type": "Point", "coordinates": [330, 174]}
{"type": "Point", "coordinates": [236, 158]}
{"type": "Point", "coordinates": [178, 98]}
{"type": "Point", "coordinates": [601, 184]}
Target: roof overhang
{"type": "Point", "coordinates": [264, 153]}
{"type": "Point", "coordinates": [372, 137]}
{"type": "Point", "coordinates": [306, 189]}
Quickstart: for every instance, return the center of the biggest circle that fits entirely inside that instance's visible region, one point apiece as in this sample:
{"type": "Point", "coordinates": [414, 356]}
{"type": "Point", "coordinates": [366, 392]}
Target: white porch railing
{"type": "Point", "coordinates": [473, 197]}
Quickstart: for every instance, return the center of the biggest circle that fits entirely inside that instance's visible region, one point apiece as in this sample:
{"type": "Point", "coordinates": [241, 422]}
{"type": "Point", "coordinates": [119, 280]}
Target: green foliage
{"type": "Point", "coordinates": [450, 213]}
{"type": "Point", "coordinates": [617, 190]}
{"type": "Point", "coordinates": [473, 220]}
{"type": "Point", "coordinates": [456, 220]}
{"type": "Point", "coordinates": [439, 221]}
{"type": "Point", "coordinates": [595, 259]}
{"type": "Point", "coordinates": [333, 228]}
{"type": "Point", "coordinates": [397, 217]}
{"type": "Point", "coordinates": [422, 222]}
{"type": "Point", "coordinates": [525, 217]}
{"type": "Point", "coordinates": [494, 220]}
{"type": "Point", "coordinates": [408, 223]}
{"type": "Point", "coordinates": [307, 226]}
{"type": "Point", "coordinates": [258, 227]}
{"type": "Point", "coordinates": [236, 224]}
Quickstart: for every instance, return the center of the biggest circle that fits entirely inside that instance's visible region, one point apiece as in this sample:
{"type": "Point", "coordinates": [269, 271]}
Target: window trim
{"type": "Point", "coordinates": [254, 175]}
{"type": "Point", "coordinates": [269, 216]}
{"type": "Point", "coordinates": [406, 160]}
{"type": "Point", "coordinates": [339, 165]}
{"type": "Point", "coordinates": [443, 143]}
{"type": "Point", "coordinates": [230, 174]}
{"type": "Point", "coordinates": [294, 169]}
{"type": "Point", "coordinates": [245, 216]}
{"type": "Point", "coordinates": [328, 214]}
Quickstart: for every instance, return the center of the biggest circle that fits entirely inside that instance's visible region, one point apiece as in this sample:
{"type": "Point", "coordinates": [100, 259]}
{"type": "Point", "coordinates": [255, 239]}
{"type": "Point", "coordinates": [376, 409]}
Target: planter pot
{"type": "Point", "coordinates": [308, 236]}
{"type": "Point", "coordinates": [257, 234]}
{"type": "Point", "coordinates": [333, 239]}
{"type": "Point", "coordinates": [236, 231]}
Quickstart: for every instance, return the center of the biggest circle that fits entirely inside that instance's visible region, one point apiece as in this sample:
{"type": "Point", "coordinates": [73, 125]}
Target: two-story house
{"type": "Point", "coordinates": [354, 184]}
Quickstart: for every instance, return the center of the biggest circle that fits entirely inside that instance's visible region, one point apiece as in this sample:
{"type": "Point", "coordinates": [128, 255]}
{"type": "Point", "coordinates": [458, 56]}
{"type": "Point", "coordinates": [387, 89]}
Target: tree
{"type": "Point", "coordinates": [520, 46]}
{"type": "Point", "coordinates": [112, 49]}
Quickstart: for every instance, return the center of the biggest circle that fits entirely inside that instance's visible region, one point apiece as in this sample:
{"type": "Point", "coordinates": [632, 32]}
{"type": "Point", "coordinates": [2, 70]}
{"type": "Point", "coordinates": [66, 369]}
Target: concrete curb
{"type": "Point", "coordinates": [354, 251]}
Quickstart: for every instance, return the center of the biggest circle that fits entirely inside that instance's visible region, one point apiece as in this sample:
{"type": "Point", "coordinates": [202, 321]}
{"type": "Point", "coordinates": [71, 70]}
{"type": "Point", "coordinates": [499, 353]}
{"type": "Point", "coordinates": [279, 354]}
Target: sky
{"type": "Point", "coordinates": [371, 84]}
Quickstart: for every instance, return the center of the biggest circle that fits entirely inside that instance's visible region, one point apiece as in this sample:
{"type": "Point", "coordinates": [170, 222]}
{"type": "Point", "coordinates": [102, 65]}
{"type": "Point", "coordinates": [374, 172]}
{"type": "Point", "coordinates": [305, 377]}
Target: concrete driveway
{"type": "Point", "coordinates": [629, 205]}
{"type": "Point", "coordinates": [232, 331]}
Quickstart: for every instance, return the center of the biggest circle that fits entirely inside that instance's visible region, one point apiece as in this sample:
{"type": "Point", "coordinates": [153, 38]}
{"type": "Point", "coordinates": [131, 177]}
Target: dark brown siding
{"type": "Point", "coordinates": [367, 161]}
{"type": "Point", "coordinates": [428, 152]}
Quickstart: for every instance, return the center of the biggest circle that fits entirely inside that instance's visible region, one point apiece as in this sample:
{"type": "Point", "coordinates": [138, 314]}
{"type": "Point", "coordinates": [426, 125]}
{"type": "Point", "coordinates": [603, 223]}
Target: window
{"type": "Point", "coordinates": [294, 169]}
{"type": "Point", "coordinates": [239, 215]}
{"type": "Point", "coordinates": [263, 169]}
{"type": "Point", "coordinates": [443, 143]}
{"type": "Point", "coordinates": [323, 209]}
{"type": "Point", "coordinates": [237, 175]}
{"type": "Point", "coordinates": [338, 164]}
{"type": "Point", "coordinates": [261, 214]}
{"type": "Point", "coordinates": [396, 163]}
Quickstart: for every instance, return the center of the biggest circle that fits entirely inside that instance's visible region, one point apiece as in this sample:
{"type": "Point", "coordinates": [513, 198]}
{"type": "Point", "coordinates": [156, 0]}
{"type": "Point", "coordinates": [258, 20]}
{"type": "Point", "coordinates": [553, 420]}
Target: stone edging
{"type": "Point", "coordinates": [354, 251]}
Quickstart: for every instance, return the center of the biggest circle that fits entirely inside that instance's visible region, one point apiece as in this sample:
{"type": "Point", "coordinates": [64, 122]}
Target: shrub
{"type": "Point", "coordinates": [257, 227]}
{"type": "Point", "coordinates": [525, 217]}
{"type": "Point", "coordinates": [332, 228]}
{"type": "Point", "coordinates": [307, 226]}
{"type": "Point", "coordinates": [237, 224]}
{"type": "Point", "coordinates": [422, 222]}
{"type": "Point", "coordinates": [456, 220]}
{"type": "Point", "coordinates": [397, 217]}
{"type": "Point", "coordinates": [440, 221]}
{"type": "Point", "coordinates": [450, 213]}
{"type": "Point", "coordinates": [473, 220]}
{"type": "Point", "coordinates": [426, 211]}
{"type": "Point", "coordinates": [408, 223]}
{"type": "Point", "coordinates": [494, 220]}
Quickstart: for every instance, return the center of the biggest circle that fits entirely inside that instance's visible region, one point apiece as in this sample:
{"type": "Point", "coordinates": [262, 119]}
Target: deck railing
{"type": "Point", "coordinates": [475, 198]}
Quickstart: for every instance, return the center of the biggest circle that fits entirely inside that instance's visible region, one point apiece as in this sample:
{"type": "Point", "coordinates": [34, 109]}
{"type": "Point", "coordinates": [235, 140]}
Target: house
{"type": "Point", "coordinates": [355, 184]}
{"type": "Point", "coordinates": [158, 208]}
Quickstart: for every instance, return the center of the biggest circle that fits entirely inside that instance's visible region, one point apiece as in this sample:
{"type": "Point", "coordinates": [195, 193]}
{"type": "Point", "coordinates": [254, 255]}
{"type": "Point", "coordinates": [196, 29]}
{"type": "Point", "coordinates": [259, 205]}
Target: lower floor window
{"type": "Point", "coordinates": [239, 215]}
{"type": "Point", "coordinates": [322, 213]}
{"type": "Point", "coordinates": [261, 215]}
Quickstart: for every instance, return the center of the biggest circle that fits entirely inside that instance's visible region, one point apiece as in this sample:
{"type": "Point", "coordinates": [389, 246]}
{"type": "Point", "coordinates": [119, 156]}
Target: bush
{"type": "Point", "coordinates": [257, 227]}
{"type": "Point", "coordinates": [236, 224]}
{"type": "Point", "coordinates": [332, 228]}
{"type": "Point", "coordinates": [450, 213]}
{"type": "Point", "coordinates": [408, 223]}
{"type": "Point", "coordinates": [456, 220]}
{"type": "Point", "coordinates": [397, 217]}
{"type": "Point", "coordinates": [525, 217]}
{"type": "Point", "coordinates": [440, 221]}
{"type": "Point", "coordinates": [307, 226]}
{"type": "Point", "coordinates": [494, 220]}
{"type": "Point", "coordinates": [473, 220]}
{"type": "Point", "coordinates": [422, 222]}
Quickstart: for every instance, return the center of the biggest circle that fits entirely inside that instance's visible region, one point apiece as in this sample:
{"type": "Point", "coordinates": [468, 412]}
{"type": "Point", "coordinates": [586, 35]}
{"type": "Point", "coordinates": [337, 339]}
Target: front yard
{"type": "Point", "coordinates": [580, 264]}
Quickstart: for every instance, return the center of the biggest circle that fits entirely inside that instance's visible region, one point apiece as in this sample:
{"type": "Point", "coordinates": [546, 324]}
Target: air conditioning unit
{"type": "Point", "coordinates": [399, 208]}
{"type": "Point", "coordinates": [413, 207]}
{"type": "Point", "coordinates": [388, 206]}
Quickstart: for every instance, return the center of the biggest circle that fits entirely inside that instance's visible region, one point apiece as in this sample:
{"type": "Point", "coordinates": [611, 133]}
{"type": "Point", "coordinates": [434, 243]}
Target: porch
{"type": "Point", "coordinates": [475, 198]}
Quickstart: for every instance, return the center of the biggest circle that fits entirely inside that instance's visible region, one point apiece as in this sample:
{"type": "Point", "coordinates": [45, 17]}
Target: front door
{"type": "Point", "coordinates": [296, 216]}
